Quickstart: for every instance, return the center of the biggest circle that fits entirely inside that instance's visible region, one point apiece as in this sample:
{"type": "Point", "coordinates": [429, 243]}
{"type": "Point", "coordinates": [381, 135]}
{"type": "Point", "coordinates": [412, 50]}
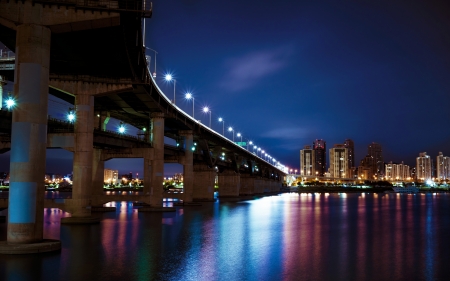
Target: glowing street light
{"type": "Point", "coordinates": [188, 97]}
{"type": "Point", "coordinates": [223, 125]}
{"type": "Point", "coordinates": [231, 130]}
{"type": "Point", "coordinates": [121, 128]}
{"type": "Point", "coordinates": [71, 115]}
{"type": "Point", "coordinates": [10, 102]}
{"type": "Point", "coordinates": [154, 73]}
{"type": "Point", "coordinates": [169, 78]}
{"type": "Point", "coordinates": [249, 143]}
{"type": "Point", "coordinates": [206, 110]}
{"type": "Point", "coordinates": [239, 135]}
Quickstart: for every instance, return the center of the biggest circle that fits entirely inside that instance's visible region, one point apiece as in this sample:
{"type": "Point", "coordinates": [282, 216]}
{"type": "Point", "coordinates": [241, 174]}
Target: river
{"type": "Point", "coordinates": [284, 237]}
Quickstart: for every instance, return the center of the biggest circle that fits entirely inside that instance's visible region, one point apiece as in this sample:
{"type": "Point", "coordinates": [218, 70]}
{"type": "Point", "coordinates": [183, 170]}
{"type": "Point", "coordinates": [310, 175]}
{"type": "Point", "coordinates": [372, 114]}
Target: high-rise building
{"type": "Point", "coordinates": [307, 161]}
{"type": "Point", "coordinates": [396, 172]}
{"type": "Point", "coordinates": [375, 151]}
{"type": "Point", "coordinates": [110, 176]}
{"type": "Point", "coordinates": [423, 167]}
{"type": "Point", "coordinates": [442, 167]}
{"type": "Point", "coordinates": [365, 169]}
{"type": "Point", "coordinates": [350, 145]}
{"type": "Point", "coordinates": [320, 157]}
{"type": "Point", "coordinates": [339, 161]}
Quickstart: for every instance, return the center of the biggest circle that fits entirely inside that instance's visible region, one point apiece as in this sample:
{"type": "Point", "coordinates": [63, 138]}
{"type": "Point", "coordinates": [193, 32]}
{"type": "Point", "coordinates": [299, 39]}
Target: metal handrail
{"type": "Point", "coordinates": [141, 7]}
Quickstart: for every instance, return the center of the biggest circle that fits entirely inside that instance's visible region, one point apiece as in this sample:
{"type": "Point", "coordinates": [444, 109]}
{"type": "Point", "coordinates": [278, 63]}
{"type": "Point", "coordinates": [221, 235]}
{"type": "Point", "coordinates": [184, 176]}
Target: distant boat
{"type": "Point", "coordinates": [409, 189]}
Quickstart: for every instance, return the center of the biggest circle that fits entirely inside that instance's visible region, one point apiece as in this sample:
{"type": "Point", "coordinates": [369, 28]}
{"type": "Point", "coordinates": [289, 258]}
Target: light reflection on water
{"type": "Point", "coordinates": [286, 237]}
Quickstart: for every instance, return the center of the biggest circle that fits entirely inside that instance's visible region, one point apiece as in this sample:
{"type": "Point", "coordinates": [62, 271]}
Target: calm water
{"type": "Point", "coordinates": [286, 237]}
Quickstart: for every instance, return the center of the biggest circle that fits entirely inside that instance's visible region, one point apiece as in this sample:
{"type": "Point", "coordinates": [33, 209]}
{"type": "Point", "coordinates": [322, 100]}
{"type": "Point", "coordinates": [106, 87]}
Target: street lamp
{"type": "Point", "coordinates": [188, 97]}
{"type": "Point", "coordinates": [259, 149]}
{"type": "Point", "coordinates": [262, 153]}
{"type": "Point", "coordinates": [206, 110]}
{"type": "Point", "coordinates": [231, 130]}
{"type": "Point", "coordinates": [249, 143]}
{"type": "Point", "coordinates": [169, 78]}
{"type": "Point", "coordinates": [121, 128]}
{"type": "Point", "coordinates": [154, 73]}
{"type": "Point", "coordinates": [71, 115]}
{"type": "Point", "coordinates": [10, 102]}
{"type": "Point", "coordinates": [239, 135]}
{"type": "Point", "coordinates": [223, 125]}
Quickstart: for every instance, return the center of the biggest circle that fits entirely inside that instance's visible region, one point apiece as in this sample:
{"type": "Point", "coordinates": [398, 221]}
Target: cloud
{"type": "Point", "coordinates": [245, 71]}
{"type": "Point", "coordinates": [294, 133]}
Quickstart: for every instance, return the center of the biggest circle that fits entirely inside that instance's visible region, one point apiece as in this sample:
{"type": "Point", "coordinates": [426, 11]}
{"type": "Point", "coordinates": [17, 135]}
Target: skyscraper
{"type": "Point", "coordinates": [339, 161]}
{"type": "Point", "coordinates": [423, 167]}
{"type": "Point", "coordinates": [320, 155]}
{"type": "Point", "coordinates": [307, 161]}
{"type": "Point", "coordinates": [375, 151]}
{"type": "Point", "coordinates": [442, 167]}
{"type": "Point", "coordinates": [350, 145]}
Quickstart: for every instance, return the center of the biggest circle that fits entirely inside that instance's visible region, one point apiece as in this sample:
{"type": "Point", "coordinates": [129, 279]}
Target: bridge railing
{"type": "Point", "coordinates": [141, 7]}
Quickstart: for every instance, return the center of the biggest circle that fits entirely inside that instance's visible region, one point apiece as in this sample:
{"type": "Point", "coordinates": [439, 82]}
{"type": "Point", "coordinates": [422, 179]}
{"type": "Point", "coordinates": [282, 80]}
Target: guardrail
{"type": "Point", "coordinates": [142, 7]}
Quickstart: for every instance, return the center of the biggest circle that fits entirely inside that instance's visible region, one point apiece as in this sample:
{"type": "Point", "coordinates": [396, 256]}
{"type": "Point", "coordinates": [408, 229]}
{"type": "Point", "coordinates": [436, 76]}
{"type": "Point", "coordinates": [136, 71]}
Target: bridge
{"type": "Point", "coordinates": [50, 40]}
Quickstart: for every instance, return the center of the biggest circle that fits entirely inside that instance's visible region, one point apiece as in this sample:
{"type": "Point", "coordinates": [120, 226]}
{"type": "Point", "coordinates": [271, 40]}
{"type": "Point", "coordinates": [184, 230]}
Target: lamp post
{"type": "Point", "coordinates": [249, 143]}
{"type": "Point", "coordinates": [259, 149]}
{"type": "Point", "coordinates": [239, 135]}
{"type": "Point", "coordinates": [154, 73]}
{"type": "Point", "coordinates": [262, 153]}
{"type": "Point", "coordinates": [223, 125]}
{"type": "Point", "coordinates": [188, 97]}
{"type": "Point", "coordinates": [206, 110]}
{"type": "Point", "coordinates": [170, 78]}
{"type": "Point", "coordinates": [231, 130]}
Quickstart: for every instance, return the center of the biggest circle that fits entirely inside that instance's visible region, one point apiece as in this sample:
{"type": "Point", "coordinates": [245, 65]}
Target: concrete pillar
{"type": "Point", "coordinates": [98, 174]}
{"type": "Point", "coordinates": [80, 205]}
{"type": "Point", "coordinates": [157, 163]}
{"type": "Point", "coordinates": [247, 185]}
{"type": "Point", "coordinates": [259, 185]}
{"type": "Point", "coordinates": [188, 166]}
{"type": "Point", "coordinates": [204, 179]}
{"type": "Point", "coordinates": [29, 135]}
{"type": "Point", "coordinates": [229, 183]}
{"type": "Point", "coordinates": [2, 83]}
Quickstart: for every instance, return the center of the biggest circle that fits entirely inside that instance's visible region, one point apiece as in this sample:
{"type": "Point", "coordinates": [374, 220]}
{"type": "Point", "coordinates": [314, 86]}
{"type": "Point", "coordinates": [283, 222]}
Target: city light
{"type": "Point", "coordinates": [71, 115]}
{"type": "Point", "coordinates": [121, 128]}
{"type": "Point", "coordinates": [10, 102]}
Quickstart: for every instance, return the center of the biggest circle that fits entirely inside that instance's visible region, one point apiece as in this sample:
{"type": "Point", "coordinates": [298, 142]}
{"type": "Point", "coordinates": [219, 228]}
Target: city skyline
{"type": "Point", "coordinates": [331, 71]}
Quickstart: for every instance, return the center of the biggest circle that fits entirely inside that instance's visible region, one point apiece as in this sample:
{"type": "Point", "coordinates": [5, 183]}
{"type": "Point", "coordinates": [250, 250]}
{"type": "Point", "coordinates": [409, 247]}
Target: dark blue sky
{"type": "Point", "coordinates": [284, 73]}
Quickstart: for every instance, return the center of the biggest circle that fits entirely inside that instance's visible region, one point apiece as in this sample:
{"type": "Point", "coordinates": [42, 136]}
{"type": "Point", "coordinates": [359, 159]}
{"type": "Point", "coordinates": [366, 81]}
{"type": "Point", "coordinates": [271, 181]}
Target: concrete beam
{"type": "Point", "coordinates": [59, 18]}
{"type": "Point", "coordinates": [229, 183]}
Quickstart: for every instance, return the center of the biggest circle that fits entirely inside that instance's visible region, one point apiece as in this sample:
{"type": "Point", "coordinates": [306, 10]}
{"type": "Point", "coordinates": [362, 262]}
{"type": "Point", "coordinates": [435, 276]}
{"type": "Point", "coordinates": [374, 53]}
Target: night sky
{"type": "Point", "coordinates": [284, 73]}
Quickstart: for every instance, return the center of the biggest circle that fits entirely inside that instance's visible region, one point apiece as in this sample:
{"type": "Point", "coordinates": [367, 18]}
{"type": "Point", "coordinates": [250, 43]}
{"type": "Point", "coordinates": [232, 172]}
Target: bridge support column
{"type": "Point", "coordinates": [80, 204]}
{"type": "Point", "coordinates": [188, 166]}
{"type": "Point", "coordinates": [102, 119]}
{"type": "Point", "coordinates": [28, 143]}
{"type": "Point", "coordinates": [204, 179]}
{"type": "Point", "coordinates": [259, 185]}
{"type": "Point", "coordinates": [157, 163]}
{"type": "Point", "coordinates": [229, 183]}
{"type": "Point", "coordinates": [98, 168]}
{"type": "Point", "coordinates": [247, 185]}
{"type": "Point", "coordinates": [2, 83]}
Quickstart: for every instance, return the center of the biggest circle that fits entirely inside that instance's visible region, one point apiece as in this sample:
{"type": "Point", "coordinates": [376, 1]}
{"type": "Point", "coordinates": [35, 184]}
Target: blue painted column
{"type": "Point", "coordinates": [29, 135]}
